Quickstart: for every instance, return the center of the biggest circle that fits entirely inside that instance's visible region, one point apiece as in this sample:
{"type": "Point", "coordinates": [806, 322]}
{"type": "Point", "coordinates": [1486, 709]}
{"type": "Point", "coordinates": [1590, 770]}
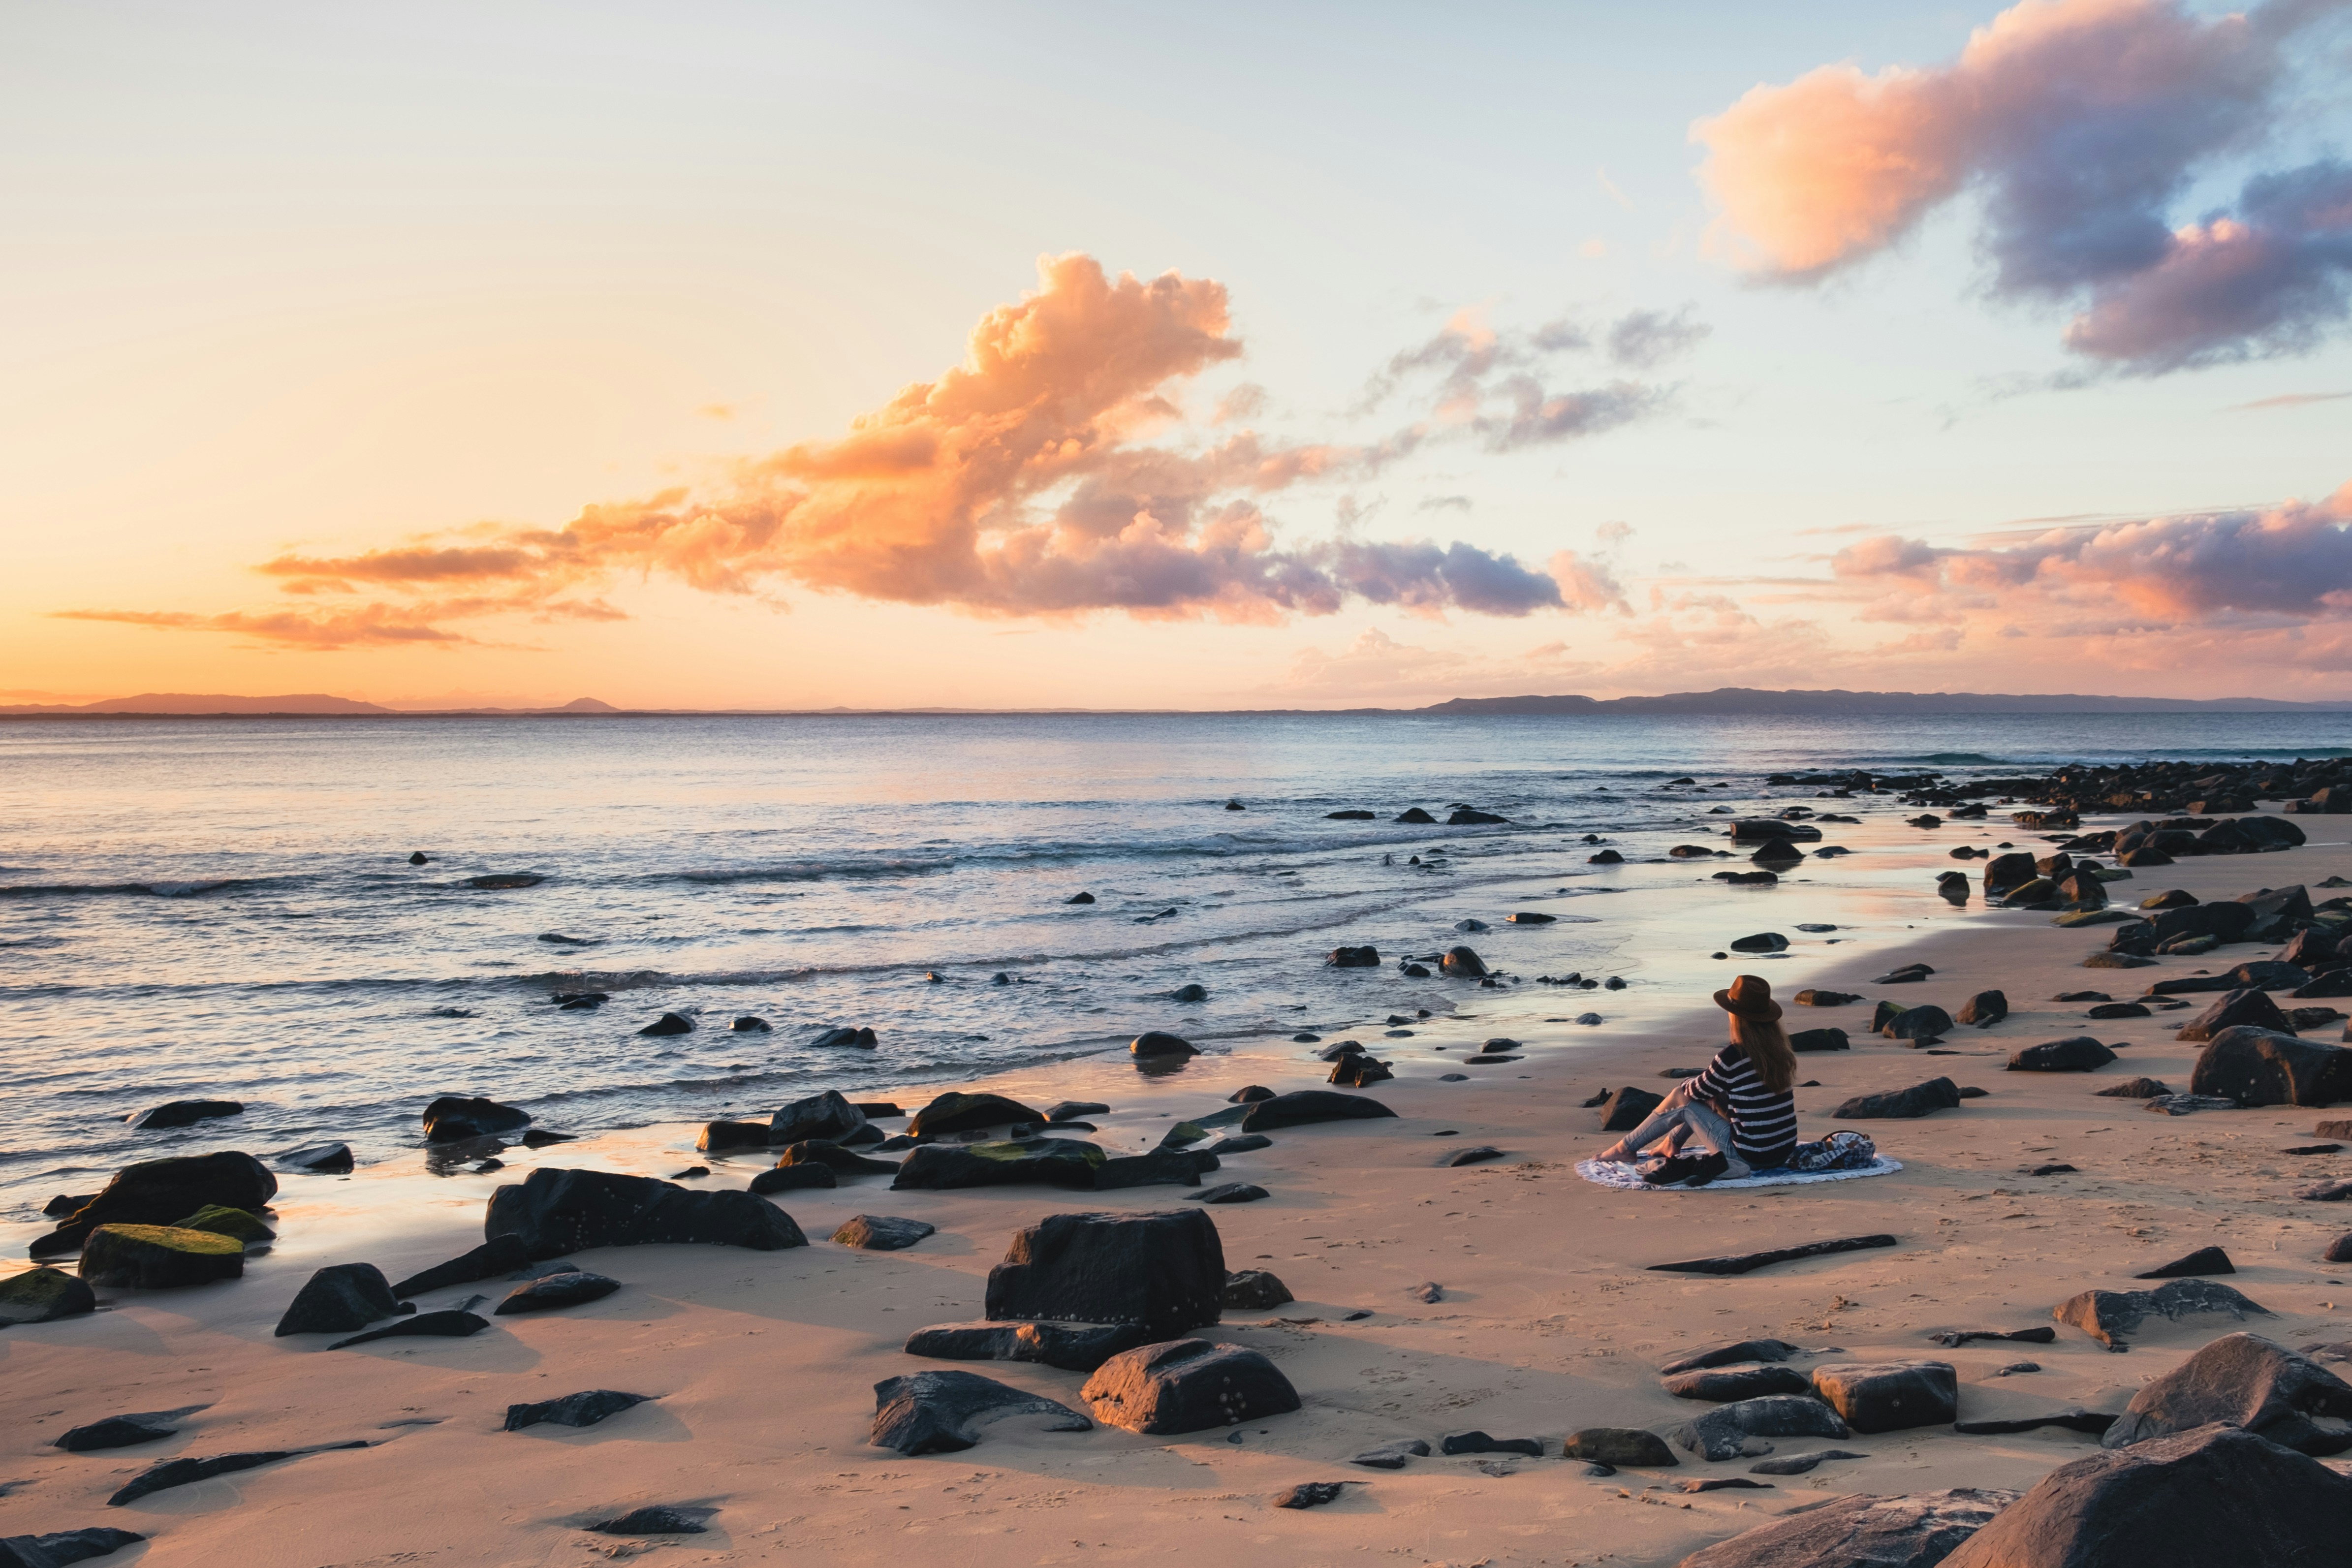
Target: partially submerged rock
{"type": "Point", "coordinates": [183, 1113]}
{"type": "Point", "coordinates": [941, 1412]}
{"type": "Point", "coordinates": [455, 1117]}
{"type": "Point", "coordinates": [320, 1159]}
{"type": "Point", "coordinates": [158, 1192]}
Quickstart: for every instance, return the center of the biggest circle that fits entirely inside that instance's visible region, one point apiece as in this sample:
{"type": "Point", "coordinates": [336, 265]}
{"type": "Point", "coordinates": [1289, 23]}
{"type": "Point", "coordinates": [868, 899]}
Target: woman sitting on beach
{"type": "Point", "coordinates": [1740, 1112]}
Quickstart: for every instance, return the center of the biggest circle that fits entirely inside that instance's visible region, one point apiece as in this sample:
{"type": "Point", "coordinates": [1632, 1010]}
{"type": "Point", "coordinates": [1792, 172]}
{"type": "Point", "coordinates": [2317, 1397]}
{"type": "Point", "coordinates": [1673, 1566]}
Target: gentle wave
{"type": "Point", "coordinates": [155, 889]}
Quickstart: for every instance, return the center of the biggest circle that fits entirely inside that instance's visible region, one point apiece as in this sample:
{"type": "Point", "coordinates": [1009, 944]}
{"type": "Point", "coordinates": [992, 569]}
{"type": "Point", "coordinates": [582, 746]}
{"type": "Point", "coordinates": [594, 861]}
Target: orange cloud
{"type": "Point", "coordinates": [2080, 122]}
{"type": "Point", "coordinates": [1026, 481]}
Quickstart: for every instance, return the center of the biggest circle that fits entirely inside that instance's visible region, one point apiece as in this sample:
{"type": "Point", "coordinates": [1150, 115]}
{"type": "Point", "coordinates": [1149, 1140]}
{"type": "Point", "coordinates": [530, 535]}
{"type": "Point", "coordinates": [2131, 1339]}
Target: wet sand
{"type": "Point", "coordinates": [763, 1363]}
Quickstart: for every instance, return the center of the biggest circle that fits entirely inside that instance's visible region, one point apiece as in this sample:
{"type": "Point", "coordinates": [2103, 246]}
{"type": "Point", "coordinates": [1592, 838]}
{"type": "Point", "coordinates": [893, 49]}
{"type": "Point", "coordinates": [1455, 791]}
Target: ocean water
{"type": "Point", "coordinates": [224, 908]}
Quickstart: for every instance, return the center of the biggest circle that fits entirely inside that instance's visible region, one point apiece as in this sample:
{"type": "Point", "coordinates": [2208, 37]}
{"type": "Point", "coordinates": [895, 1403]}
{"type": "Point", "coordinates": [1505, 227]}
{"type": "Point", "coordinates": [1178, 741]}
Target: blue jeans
{"type": "Point", "coordinates": [1684, 1117]}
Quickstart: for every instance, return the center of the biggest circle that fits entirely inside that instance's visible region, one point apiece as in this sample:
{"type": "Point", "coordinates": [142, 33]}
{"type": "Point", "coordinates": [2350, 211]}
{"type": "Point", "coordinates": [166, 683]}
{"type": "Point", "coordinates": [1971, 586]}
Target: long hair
{"type": "Point", "coordinates": [1767, 1045]}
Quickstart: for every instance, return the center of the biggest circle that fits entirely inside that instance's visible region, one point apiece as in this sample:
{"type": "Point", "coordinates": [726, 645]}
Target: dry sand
{"type": "Point", "coordinates": [764, 1363]}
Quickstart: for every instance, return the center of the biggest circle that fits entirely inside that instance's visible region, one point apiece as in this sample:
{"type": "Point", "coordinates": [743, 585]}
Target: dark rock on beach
{"type": "Point", "coordinates": [1301, 1107]}
{"type": "Point", "coordinates": [1159, 1044]}
{"type": "Point", "coordinates": [1726, 1431]}
{"type": "Point", "coordinates": [833, 1157]}
{"type": "Point", "coordinates": [959, 1112]}
{"type": "Point", "coordinates": [1229, 1193]}
{"type": "Point", "coordinates": [455, 1118]}
{"type": "Point", "coordinates": [2210, 1495]}
{"type": "Point", "coordinates": [1722, 1384]}
{"type": "Point", "coordinates": [2267, 1066]}
{"type": "Point", "coordinates": [1475, 1442]}
{"type": "Point", "coordinates": [62, 1547]}
{"type": "Point", "coordinates": [183, 1113]}
{"type": "Point", "coordinates": [499, 1256]}
{"type": "Point", "coordinates": [793, 1178]}
{"type": "Point", "coordinates": [1628, 1109]}
{"type": "Point", "coordinates": [340, 1299]}
{"type": "Point", "coordinates": [1187, 1386]}
{"type": "Point", "coordinates": [1310, 1494]}
{"type": "Point", "coordinates": [43, 1296]}
{"type": "Point", "coordinates": [551, 1292]}
{"type": "Point", "coordinates": [1072, 1347]}
{"type": "Point", "coordinates": [2076, 1052]}
{"type": "Point", "coordinates": [456, 1323]}
{"type": "Point", "coordinates": [1826, 998]}
{"type": "Point", "coordinates": [1049, 1162]}
{"type": "Point", "coordinates": [2205, 1261]}
{"type": "Point", "coordinates": [185, 1472]}
{"type": "Point", "coordinates": [1920, 1024]}
{"type": "Point", "coordinates": [941, 1411]}
{"type": "Point", "coordinates": [2249, 1382]}
{"type": "Point", "coordinates": [584, 1409]}
{"type": "Point", "coordinates": [2107, 1315]}
{"type": "Point", "coordinates": [159, 1256]}
{"type": "Point", "coordinates": [556, 1211]}
{"type": "Point", "coordinates": [882, 1233]}
{"type": "Point", "coordinates": [1820, 1040]}
{"type": "Point", "coordinates": [1392, 1455]}
{"type": "Point", "coordinates": [1889, 1396]}
{"type": "Point", "coordinates": [159, 1192]}
{"type": "Point", "coordinates": [2248, 1008]}
{"type": "Point", "coordinates": [1916, 1531]}
{"type": "Point", "coordinates": [829, 1116]}
{"type": "Point", "coordinates": [660, 1519]}
{"type": "Point", "coordinates": [1464, 964]}
{"type": "Point", "coordinates": [1730, 1356]}
{"type": "Point", "coordinates": [124, 1431]}
{"type": "Point", "coordinates": [1163, 1271]}
{"type": "Point", "coordinates": [1920, 1099]}
{"type": "Point", "coordinates": [720, 1136]}
{"type": "Point", "coordinates": [1984, 1009]}
{"type": "Point", "coordinates": [1629, 1447]}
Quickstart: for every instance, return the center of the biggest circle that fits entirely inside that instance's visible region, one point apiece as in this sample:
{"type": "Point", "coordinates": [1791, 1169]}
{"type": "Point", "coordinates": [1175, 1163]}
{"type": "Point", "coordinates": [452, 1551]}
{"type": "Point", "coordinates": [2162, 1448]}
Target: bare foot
{"type": "Point", "coordinates": [1615, 1155]}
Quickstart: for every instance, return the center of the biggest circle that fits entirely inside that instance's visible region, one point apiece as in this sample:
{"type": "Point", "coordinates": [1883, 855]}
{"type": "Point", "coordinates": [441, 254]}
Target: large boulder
{"type": "Point", "coordinates": [2076, 1052]}
{"type": "Point", "coordinates": [1628, 1109]}
{"type": "Point", "coordinates": [1924, 1021]}
{"type": "Point", "coordinates": [1046, 1162]}
{"type": "Point", "coordinates": [2248, 1382]}
{"type": "Point", "coordinates": [159, 1256]}
{"type": "Point", "coordinates": [2279, 912]}
{"type": "Point", "coordinates": [2004, 874]}
{"type": "Point", "coordinates": [1302, 1106]}
{"type": "Point", "coordinates": [1187, 1386]}
{"type": "Point", "coordinates": [1916, 1531]}
{"type": "Point", "coordinates": [557, 1211]}
{"type": "Point", "coordinates": [1919, 1099]}
{"type": "Point", "coordinates": [1729, 1430]}
{"type": "Point", "coordinates": [2107, 1315]}
{"type": "Point", "coordinates": [43, 1296]}
{"type": "Point", "coordinates": [1165, 1271]}
{"type": "Point", "coordinates": [1889, 1396]}
{"type": "Point", "coordinates": [829, 1116]}
{"type": "Point", "coordinates": [2245, 1008]}
{"type": "Point", "coordinates": [1464, 964]}
{"type": "Point", "coordinates": [159, 1192]}
{"type": "Point", "coordinates": [2211, 1495]}
{"type": "Point", "coordinates": [939, 1412]}
{"type": "Point", "coordinates": [2265, 1067]}
{"type": "Point", "coordinates": [62, 1547]}
{"type": "Point", "coordinates": [1984, 1009]}
{"type": "Point", "coordinates": [340, 1299]}
{"type": "Point", "coordinates": [1155, 1168]}
{"type": "Point", "coordinates": [957, 1112]}
{"type": "Point", "coordinates": [2224, 922]}
{"type": "Point", "coordinates": [455, 1118]}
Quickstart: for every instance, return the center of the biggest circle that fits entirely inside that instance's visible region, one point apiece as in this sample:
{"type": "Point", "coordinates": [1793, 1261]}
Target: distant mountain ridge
{"type": "Point", "coordinates": [1748, 700]}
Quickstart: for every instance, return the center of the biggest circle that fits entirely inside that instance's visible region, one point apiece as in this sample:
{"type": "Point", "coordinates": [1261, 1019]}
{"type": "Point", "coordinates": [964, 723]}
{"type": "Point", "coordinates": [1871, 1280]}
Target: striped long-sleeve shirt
{"type": "Point", "coordinates": [1763, 1122]}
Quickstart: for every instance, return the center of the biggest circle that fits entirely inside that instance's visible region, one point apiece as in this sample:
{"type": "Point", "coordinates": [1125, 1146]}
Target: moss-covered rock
{"type": "Point", "coordinates": [159, 1256]}
{"type": "Point", "coordinates": [222, 1220]}
{"type": "Point", "coordinates": [42, 1295]}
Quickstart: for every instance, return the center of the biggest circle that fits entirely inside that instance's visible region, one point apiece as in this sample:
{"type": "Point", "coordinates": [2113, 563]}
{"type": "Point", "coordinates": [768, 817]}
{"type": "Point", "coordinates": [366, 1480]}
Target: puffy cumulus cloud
{"type": "Point", "coordinates": [2268, 281]}
{"type": "Point", "coordinates": [2081, 122]}
{"type": "Point", "coordinates": [1054, 472]}
{"type": "Point", "coordinates": [2286, 563]}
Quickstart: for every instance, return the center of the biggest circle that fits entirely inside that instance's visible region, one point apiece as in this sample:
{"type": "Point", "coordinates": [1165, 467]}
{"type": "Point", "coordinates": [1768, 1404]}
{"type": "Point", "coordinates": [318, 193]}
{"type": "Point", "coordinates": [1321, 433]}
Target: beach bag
{"type": "Point", "coordinates": [1840, 1151]}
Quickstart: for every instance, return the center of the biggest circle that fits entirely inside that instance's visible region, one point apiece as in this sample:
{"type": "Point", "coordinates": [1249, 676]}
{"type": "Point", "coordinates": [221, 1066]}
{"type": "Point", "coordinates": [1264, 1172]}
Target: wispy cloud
{"type": "Point", "coordinates": [2291, 400]}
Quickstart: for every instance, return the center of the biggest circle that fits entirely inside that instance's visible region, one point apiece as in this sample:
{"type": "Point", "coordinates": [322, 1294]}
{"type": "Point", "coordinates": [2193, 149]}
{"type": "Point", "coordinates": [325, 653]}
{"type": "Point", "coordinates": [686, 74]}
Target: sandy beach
{"type": "Point", "coordinates": [763, 1364]}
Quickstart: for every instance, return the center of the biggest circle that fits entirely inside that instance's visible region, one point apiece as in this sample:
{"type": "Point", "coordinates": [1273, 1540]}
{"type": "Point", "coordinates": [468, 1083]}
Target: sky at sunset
{"type": "Point", "coordinates": [787, 357]}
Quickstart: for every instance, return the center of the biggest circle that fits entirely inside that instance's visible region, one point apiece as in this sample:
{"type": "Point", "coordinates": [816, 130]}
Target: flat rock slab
{"type": "Point", "coordinates": [64, 1546]}
{"type": "Point", "coordinates": [1187, 1386]}
{"type": "Point", "coordinates": [941, 1411]}
{"type": "Point", "coordinates": [1957, 1337]}
{"type": "Point", "coordinates": [1723, 1385]}
{"type": "Point", "coordinates": [1889, 1396]}
{"type": "Point", "coordinates": [660, 1519]}
{"type": "Point", "coordinates": [2076, 1052]}
{"type": "Point", "coordinates": [1722, 1484]}
{"type": "Point", "coordinates": [1726, 1431]}
{"type": "Point", "coordinates": [1629, 1446]}
{"type": "Point", "coordinates": [2107, 1315]}
{"type": "Point", "coordinates": [1475, 1442]}
{"type": "Point", "coordinates": [882, 1233]}
{"type": "Point", "coordinates": [2249, 1382]}
{"type": "Point", "coordinates": [1312, 1494]}
{"type": "Point", "coordinates": [1393, 1456]}
{"type": "Point", "coordinates": [1728, 1355]}
{"type": "Point", "coordinates": [1799, 1464]}
{"type": "Point", "coordinates": [2091, 1422]}
{"type": "Point", "coordinates": [499, 1256]}
{"type": "Point", "coordinates": [185, 1472]}
{"type": "Point", "coordinates": [125, 1431]}
{"type": "Point", "coordinates": [1865, 1532]}
{"type": "Point", "coordinates": [2212, 1495]}
{"type": "Point", "coordinates": [1229, 1193]}
{"type": "Point", "coordinates": [573, 1288]}
{"type": "Point", "coordinates": [1072, 1347]}
{"type": "Point", "coordinates": [1748, 1262]}
{"type": "Point", "coordinates": [584, 1409]}
{"type": "Point", "coordinates": [456, 1323]}
{"type": "Point", "coordinates": [1478, 1154]}
{"type": "Point", "coordinates": [1302, 1106]}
